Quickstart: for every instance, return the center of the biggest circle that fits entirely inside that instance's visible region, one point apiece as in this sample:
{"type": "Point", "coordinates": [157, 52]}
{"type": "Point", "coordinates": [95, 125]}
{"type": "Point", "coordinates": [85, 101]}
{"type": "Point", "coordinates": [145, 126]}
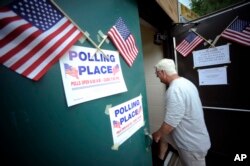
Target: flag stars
{"type": "Point", "coordinates": [37, 53]}
{"type": "Point", "coordinates": [124, 41]}
{"type": "Point", "coordinates": [238, 31]}
{"type": "Point", "coordinates": [122, 28]}
{"type": "Point", "coordinates": [39, 13]}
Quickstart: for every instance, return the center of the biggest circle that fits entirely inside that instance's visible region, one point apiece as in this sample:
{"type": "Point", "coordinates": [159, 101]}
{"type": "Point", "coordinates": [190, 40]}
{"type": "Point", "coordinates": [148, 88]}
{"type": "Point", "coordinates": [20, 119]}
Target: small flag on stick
{"type": "Point", "coordinates": [124, 41]}
{"type": "Point", "coordinates": [238, 31]}
{"type": "Point", "coordinates": [189, 43]}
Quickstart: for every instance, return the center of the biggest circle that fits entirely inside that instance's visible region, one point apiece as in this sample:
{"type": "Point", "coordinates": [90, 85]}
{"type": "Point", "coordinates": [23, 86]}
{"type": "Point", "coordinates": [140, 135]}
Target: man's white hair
{"type": "Point", "coordinates": [166, 65]}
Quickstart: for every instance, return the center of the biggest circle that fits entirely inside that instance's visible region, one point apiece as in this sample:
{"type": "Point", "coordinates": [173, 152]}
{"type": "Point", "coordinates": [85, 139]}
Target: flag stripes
{"type": "Point", "coordinates": [124, 41]}
{"type": "Point", "coordinates": [238, 31]}
{"type": "Point", "coordinates": [31, 51]}
{"type": "Point", "coordinates": [189, 43]}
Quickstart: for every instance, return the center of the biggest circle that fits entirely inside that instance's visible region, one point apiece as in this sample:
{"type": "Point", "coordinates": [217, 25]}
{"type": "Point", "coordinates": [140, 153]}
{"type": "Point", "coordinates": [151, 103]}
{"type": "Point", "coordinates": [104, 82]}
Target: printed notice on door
{"type": "Point", "coordinates": [211, 56]}
{"type": "Point", "coordinates": [213, 76]}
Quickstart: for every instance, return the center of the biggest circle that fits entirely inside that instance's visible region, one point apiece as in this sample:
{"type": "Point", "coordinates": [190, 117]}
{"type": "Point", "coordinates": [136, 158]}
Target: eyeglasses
{"type": "Point", "coordinates": [157, 72]}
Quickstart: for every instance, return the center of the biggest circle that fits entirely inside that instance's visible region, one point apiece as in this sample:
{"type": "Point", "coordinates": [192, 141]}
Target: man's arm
{"type": "Point", "coordinates": [163, 130]}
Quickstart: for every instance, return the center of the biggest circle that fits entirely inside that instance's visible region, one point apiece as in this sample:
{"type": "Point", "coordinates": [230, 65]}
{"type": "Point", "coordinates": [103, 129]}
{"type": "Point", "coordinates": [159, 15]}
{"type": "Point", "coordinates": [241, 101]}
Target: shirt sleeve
{"type": "Point", "coordinates": [175, 106]}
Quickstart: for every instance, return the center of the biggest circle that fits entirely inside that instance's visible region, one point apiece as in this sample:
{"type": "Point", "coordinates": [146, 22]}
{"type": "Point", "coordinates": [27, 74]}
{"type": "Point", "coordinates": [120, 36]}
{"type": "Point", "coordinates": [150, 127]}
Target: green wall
{"type": "Point", "coordinates": [36, 126]}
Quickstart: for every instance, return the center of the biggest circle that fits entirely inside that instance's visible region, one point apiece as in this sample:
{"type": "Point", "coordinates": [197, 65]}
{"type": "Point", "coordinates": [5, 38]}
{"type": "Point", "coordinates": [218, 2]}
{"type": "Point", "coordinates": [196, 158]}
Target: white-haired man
{"type": "Point", "coordinates": [184, 125]}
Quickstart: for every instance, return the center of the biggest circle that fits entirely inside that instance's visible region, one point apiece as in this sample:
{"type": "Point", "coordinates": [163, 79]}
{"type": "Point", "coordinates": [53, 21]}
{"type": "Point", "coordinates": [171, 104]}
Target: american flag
{"type": "Point", "coordinates": [34, 35]}
{"type": "Point", "coordinates": [72, 71]}
{"type": "Point", "coordinates": [124, 41]}
{"type": "Point", "coordinates": [189, 43]}
{"type": "Point", "coordinates": [116, 124]}
{"type": "Point", "coordinates": [238, 31]}
{"type": "Point", "coordinates": [115, 69]}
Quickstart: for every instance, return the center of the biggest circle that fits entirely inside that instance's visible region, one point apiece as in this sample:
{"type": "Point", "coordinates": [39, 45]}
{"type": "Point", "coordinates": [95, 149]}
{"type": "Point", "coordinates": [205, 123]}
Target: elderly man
{"type": "Point", "coordinates": [184, 125]}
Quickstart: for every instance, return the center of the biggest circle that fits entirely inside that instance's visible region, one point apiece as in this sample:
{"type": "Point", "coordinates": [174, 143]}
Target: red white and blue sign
{"type": "Point", "coordinates": [89, 74]}
{"type": "Point", "coordinates": [126, 119]}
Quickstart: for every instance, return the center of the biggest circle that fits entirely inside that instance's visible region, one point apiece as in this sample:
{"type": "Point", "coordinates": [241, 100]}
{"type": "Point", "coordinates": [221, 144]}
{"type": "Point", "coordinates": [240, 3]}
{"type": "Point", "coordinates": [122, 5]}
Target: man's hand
{"type": "Point", "coordinates": [163, 130]}
{"type": "Point", "coordinates": [157, 136]}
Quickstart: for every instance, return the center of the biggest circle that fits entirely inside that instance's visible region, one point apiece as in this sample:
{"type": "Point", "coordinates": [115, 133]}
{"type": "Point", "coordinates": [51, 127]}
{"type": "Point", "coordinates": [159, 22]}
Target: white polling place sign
{"type": "Point", "coordinates": [89, 74]}
{"type": "Point", "coordinates": [126, 119]}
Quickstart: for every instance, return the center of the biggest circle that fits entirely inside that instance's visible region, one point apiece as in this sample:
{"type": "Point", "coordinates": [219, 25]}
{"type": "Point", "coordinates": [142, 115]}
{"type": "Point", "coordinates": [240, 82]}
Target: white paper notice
{"type": "Point", "coordinates": [213, 76]}
{"type": "Point", "coordinates": [89, 75]}
{"type": "Point", "coordinates": [126, 119]}
{"type": "Point", "coordinates": [211, 56]}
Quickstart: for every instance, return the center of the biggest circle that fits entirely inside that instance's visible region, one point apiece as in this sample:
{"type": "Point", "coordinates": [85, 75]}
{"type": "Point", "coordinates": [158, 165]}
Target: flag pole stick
{"type": "Point", "coordinates": [100, 44]}
{"type": "Point", "coordinates": [217, 38]}
{"type": "Point", "coordinates": [202, 37]}
{"type": "Point", "coordinates": [230, 23]}
{"type": "Point", "coordinates": [175, 54]}
{"type": "Point", "coordinates": [91, 41]}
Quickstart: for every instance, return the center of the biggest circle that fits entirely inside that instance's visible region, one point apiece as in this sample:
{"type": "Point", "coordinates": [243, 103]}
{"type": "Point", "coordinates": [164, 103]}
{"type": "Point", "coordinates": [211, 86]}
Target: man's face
{"type": "Point", "coordinates": [159, 74]}
{"type": "Point", "coordinates": [164, 78]}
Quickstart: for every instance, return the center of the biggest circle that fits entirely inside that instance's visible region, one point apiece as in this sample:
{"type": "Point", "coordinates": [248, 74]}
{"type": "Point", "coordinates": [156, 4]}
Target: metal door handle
{"type": "Point", "coordinates": [148, 139]}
